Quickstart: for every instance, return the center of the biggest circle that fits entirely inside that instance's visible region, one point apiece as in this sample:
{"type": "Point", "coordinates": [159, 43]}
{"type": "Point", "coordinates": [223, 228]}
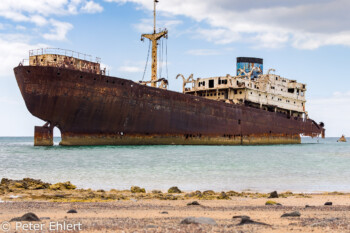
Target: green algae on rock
{"type": "Point", "coordinates": [223, 196]}
{"type": "Point", "coordinates": [174, 189]}
{"type": "Point", "coordinates": [62, 186]}
{"type": "Point", "coordinates": [26, 183]}
{"type": "Point", "coordinates": [137, 189]}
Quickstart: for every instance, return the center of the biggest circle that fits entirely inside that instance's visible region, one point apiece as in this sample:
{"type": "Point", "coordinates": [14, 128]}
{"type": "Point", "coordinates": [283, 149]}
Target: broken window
{"type": "Point", "coordinates": [211, 83]}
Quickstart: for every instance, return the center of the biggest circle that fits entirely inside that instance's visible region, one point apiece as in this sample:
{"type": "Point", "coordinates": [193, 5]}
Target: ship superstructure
{"type": "Point", "coordinates": [252, 88]}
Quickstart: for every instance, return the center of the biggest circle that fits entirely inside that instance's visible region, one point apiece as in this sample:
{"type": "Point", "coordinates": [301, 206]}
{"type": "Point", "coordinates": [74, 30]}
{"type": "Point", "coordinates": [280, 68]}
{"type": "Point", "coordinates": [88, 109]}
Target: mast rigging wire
{"type": "Point", "coordinates": [144, 72]}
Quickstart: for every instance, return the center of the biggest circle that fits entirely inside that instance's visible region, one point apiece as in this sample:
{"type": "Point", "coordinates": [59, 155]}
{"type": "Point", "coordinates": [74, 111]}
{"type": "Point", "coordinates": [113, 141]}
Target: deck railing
{"type": "Point", "coordinates": [63, 52]}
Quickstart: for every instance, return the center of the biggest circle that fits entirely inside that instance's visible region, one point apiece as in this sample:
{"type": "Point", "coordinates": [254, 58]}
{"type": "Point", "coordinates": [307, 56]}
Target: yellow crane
{"type": "Point", "coordinates": [154, 39]}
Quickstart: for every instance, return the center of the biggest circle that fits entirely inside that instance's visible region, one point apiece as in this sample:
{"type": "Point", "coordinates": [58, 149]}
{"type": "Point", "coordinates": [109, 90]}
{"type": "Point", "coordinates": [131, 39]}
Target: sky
{"type": "Point", "coordinates": [305, 40]}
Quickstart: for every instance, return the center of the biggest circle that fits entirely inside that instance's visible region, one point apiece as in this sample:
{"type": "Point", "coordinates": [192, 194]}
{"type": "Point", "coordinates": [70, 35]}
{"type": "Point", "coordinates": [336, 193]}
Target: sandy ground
{"type": "Point", "coordinates": [146, 215]}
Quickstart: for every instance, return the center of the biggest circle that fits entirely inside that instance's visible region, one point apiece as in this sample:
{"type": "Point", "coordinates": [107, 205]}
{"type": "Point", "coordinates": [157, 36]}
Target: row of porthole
{"type": "Point", "coordinates": [107, 81]}
{"type": "Point", "coordinates": [58, 73]}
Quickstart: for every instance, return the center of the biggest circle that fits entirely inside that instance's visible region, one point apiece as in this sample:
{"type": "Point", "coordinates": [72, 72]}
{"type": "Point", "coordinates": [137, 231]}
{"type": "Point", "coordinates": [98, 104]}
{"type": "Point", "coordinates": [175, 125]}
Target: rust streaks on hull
{"type": "Point", "coordinates": [88, 104]}
{"type": "Point", "coordinates": [43, 136]}
{"type": "Point", "coordinates": [69, 139]}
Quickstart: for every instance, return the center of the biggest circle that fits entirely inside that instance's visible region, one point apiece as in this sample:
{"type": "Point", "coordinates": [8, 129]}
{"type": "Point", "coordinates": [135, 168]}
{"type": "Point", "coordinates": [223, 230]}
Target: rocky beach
{"type": "Point", "coordinates": [33, 203]}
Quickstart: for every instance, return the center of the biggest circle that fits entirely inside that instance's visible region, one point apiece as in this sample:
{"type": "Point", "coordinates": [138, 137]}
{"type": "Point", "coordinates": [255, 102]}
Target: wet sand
{"type": "Point", "coordinates": [153, 215]}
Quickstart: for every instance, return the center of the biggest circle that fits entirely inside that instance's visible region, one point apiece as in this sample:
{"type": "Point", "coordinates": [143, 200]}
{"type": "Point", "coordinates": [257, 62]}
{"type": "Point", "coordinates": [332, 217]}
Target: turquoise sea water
{"type": "Point", "coordinates": [308, 167]}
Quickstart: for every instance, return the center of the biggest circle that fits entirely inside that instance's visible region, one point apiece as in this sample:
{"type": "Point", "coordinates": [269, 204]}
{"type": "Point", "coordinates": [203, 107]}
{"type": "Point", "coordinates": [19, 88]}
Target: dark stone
{"type": "Point", "coordinates": [200, 220]}
{"type": "Point", "coordinates": [174, 190]}
{"type": "Point", "coordinates": [72, 212]}
{"type": "Point", "coordinates": [309, 206]}
{"type": "Point", "coordinates": [241, 217]}
{"type": "Point", "coordinates": [328, 203]}
{"type": "Point", "coordinates": [245, 221]}
{"type": "Point", "coordinates": [193, 203]}
{"type": "Point", "coordinates": [30, 217]}
{"type": "Point", "coordinates": [223, 195]}
{"type": "Point", "coordinates": [60, 196]}
{"type": "Point", "coordinates": [44, 218]}
{"type": "Point", "coordinates": [291, 214]}
{"type": "Point", "coordinates": [208, 193]}
{"type": "Point", "coordinates": [164, 212]}
{"type": "Point", "coordinates": [274, 194]}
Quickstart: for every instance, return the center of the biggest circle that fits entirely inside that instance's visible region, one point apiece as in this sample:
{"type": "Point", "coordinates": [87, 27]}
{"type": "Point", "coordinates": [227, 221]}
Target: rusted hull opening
{"type": "Point", "coordinates": [43, 136]}
{"type": "Point", "coordinates": [69, 139]}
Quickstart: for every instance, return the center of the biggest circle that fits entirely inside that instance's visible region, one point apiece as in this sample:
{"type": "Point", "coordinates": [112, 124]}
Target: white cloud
{"type": "Point", "coordinates": [10, 8]}
{"type": "Point", "coordinates": [146, 25]}
{"type": "Point", "coordinates": [203, 52]}
{"type": "Point", "coordinates": [13, 51]}
{"type": "Point", "coordinates": [130, 69]}
{"type": "Point", "coordinates": [39, 12]}
{"type": "Point", "coordinates": [59, 30]}
{"type": "Point", "coordinates": [38, 20]}
{"type": "Point", "coordinates": [307, 24]}
{"type": "Point", "coordinates": [20, 27]}
{"type": "Point", "coordinates": [7, 100]}
{"type": "Point", "coordinates": [92, 7]}
{"type": "Point", "coordinates": [333, 111]}
{"type": "Point", "coordinates": [218, 36]}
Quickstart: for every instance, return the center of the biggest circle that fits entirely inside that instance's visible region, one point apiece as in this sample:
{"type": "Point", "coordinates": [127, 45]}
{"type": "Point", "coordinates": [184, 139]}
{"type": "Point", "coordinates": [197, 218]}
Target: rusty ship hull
{"type": "Point", "coordinates": [94, 109]}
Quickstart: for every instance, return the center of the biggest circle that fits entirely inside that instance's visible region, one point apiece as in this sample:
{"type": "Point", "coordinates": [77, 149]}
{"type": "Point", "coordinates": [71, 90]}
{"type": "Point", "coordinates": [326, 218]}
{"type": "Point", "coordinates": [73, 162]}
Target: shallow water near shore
{"type": "Point", "coordinates": [316, 165]}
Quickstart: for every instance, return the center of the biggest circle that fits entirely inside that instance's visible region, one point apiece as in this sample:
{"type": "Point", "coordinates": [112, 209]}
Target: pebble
{"type": "Point", "coordinates": [200, 220]}
{"type": "Point", "coordinates": [151, 226]}
{"type": "Point", "coordinates": [328, 203]}
{"type": "Point", "coordinates": [274, 194]}
{"type": "Point", "coordinates": [241, 216]}
{"type": "Point", "coordinates": [193, 203]}
{"type": "Point", "coordinates": [30, 217]}
{"type": "Point", "coordinates": [164, 212]}
{"type": "Point", "coordinates": [246, 220]}
{"type": "Point", "coordinates": [72, 211]}
{"type": "Point", "coordinates": [44, 218]}
{"type": "Point", "coordinates": [291, 214]}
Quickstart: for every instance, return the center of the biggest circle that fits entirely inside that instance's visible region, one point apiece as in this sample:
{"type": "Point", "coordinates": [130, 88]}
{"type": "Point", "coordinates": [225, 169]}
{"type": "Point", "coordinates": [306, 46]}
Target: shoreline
{"type": "Point", "coordinates": [172, 211]}
{"type": "Point", "coordinates": [29, 189]}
